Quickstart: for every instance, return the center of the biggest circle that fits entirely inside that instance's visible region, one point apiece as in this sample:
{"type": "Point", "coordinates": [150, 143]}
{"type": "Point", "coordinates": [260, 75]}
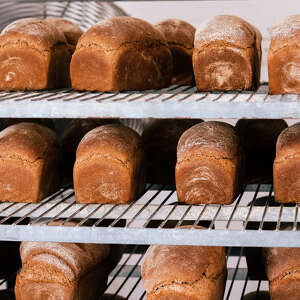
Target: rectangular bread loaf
{"type": "Point", "coordinates": [30, 163]}
{"type": "Point", "coordinates": [109, 166]}
{"type": "Point", "coordinates": [33, 56]}
{"type": "Point", "coordinates": [227, 55]}
{"type": "Point", "coordinates": [209, 164]}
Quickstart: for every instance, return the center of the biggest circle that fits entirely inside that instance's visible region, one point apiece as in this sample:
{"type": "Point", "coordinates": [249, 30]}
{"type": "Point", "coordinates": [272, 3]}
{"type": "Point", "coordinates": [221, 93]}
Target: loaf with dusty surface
{"type": "Point", "coordinates": [227, 55]}
{"type": "Point", "coordinates": [180, 38]}
{"type": "Point", "coordinates": [160, 138]}
{"type": "Point", "coordinates": [121, 53]}
{"type": "Point", "coordinates": [284, 57]}
{"type": "Point", "coordinates": [109, 166]}
{"type": "Point", "coordinates": [287, 166]}
{"type": "Point", "coordinates": [184, 272]}
{"type": "Point", "coordinates": [30, 163]}
{"type": "Point", "coordinates": [209, 164]}
{"type": "Point", "coordinates": [259, 137]}
{"type": "Point", "coordinates": [33, 56]}
{"type": "Point", "coordinates": [62, 271]}
{"type": "Point", "coordinates": [72, 136]}
{"type": "Point", "coordinates": [283, 271]}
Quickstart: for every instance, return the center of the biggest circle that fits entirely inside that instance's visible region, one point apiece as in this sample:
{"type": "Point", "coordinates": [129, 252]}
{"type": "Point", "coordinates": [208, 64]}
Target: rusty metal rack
{"type": "Point", "coordinates": [156, 218]}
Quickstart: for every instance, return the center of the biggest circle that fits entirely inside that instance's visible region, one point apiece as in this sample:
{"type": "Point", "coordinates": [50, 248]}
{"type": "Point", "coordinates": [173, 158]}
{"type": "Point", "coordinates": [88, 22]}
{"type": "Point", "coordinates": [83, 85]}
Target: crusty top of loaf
{"type": "Point", "coordinates": [178, 32]}
{"type": "Point", "coordinates": [164, 265]}
{"type": "Point", "coordinates": [288, 143]}
{"type": "Point", "coordinates": [32, 32]}
{"type": "Point", "coordinates": [111, 34]}
{"type": "Point", "coordinates": [27, 141]}
{"type": "Point", "coordinates": [71, 30]}
{"type": "Point", "coordinates": [113, 141]}
{"type": "Point", "coordinates": [215, 139]}
{"type": "Point", "coordinates": [285, 33]}
{"type": "Point", "coordinates": [280, 261]}
{"type": "Point", "coordinates": [228, 29]}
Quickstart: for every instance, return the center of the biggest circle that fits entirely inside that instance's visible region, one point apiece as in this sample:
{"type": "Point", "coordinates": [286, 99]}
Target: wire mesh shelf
{"type": "Point", "coordinates": [254, 219]}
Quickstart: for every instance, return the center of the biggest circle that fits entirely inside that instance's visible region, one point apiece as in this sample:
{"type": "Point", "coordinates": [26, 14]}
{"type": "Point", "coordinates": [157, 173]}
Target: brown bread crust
{"type": "Point", "coordinates": [227, 55]}
{"type": "Point", "coordinates": [209, 162]}
{"type": "Point", "coordinates": [122, 53]}
{"type": "Point", "coordinates": [33, 56]}
{"type": "Point", "coordinates": [109, 166]}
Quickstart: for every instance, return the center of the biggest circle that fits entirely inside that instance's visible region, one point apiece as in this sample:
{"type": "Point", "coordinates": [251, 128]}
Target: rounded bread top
{"type": "Point", "coordinates": [228, 29]}
{"type": "Point", "coordinates": [163, 265]}
{"type": "Point", "coordinates": [115, 32]}
{"type": "Point", "coordinates": [32, 32]}
{"type": "Point", "coordinates": [71, 30]}
{"type": "Point", "coordinates": [114, 141]}
{"type": "Point", "coordinates": [177, 32]}
{"type": "Point", "coordinates": [212, 138]}
{"type": "Point", "coordinates": [27, 141]}
{"type": "Point", "coordinates": [285, 33]}
{"type": "Point", "coordinates": [288, 143]}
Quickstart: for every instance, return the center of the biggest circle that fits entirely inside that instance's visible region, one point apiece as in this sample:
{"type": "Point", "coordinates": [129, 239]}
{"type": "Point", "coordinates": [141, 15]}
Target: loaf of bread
{"type": "Point", "coordinates": [209, 164]}
{"type": "Point", "coordinates": [259, 155]}
{"type": "Point", "coordinates": [287, 166]}
{"type": "Point", "coordinates": [284, 57]}
{"type": "Point", "coordinates": [62, 271]}
{"type": "Point", "coordinates": [121, 53]}
{"type": "Point", "coordinates": [227, 55]}
{"type": "Point", "coordinates": [33, 56]}
{"type": "Point", "coordinates": [184, 272]}
{"type": "Point", "coordinates": [29, 164]}
{"type": "Point", "coordinates": [283, 271]}
{"type": "Point", "coordinates": [180, 37]}
{"type": "Point", "coordinates": [72, 136]}
{"type": "Point", "coordinates": [110, 166]}
{"type": "Point", "coordinates": [160, 138]}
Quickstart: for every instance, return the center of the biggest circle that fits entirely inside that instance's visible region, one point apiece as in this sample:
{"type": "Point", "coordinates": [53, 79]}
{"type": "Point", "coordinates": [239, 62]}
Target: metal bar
{"type": "Point", "coordinates": [74, 214]}
{"type": "Point", "coordinates": [251, 206]}
{"type": "Point", "coordinates": [89, 215]}
{"type": "Point", "coordinates": [279, 217]}
{"type": "Point", "coordinates": [215, 217]}
{"type": "Point", "coordinates": [134, 287]}
{"type": "Point", "coordinates": [200, 216]}
{"type": "Point", "coordinates": [244, 287]}
{"type": "Point", "coordinates": [106, 214]}
{"type": "Point", "coordinates": [183, 216]}
{"type": "Point", "coordinates": [168, 216]}
{"type": "Point", "coordinates": [296, 217]}
{"type": "Point", "coordinates": [265, 210]}
{"type": "Point", "coordinates": [10, 215]}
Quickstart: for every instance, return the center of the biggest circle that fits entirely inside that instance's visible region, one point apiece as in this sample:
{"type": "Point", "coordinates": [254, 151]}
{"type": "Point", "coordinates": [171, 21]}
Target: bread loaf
{"type": "Point", "coordinates": [184, 272]}
{"type": "Point", "coordinates": [160, 139]}
{"type": "Point", "coordinates": [283, 271]}
{"type": "Point", "coordinates": [109, 166]}
{"type": "Point", "coordinates": [284, 57]}
{"type": "Point", "coordinates": [29, 163]}
{"type": "Point", "coordinates": [72, 136]}
{"type": "Point", "coordinates": [287, 166]}
{"type": "Point", "coordinates": [259, 155]}
{"type": "Point", "coordinates": [209, 162]}
{"type": "Point", "coordinates": [33, 56]}
{"type": "Point", "coordinates": [121, 53]}
{"type": "Point", "coordinates": [180, 37]}
{"type": "Point", "coordinates": [227, 55]}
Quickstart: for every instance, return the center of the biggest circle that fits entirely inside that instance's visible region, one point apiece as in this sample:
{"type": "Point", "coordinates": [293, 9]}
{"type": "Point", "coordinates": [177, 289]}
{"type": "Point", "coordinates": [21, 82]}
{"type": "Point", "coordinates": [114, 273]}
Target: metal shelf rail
{"type": "Point", "coordinates": [172, 102]}
{"type": "Point", "coordinates": [156, 218]}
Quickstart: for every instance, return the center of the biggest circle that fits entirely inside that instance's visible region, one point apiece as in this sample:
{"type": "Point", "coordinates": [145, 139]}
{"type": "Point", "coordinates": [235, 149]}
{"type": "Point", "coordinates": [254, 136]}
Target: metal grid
{"type": "Point", "coordinates": [156, 218]}
{"type": "Point", "coordinates": [172, 102]}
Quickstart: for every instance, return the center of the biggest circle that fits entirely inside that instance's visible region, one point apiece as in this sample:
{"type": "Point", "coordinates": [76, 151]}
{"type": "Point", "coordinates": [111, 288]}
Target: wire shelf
{"type": "Point", "coordinates": [156, 218]}
{"type": "Point", "coordinates": [172, 102]}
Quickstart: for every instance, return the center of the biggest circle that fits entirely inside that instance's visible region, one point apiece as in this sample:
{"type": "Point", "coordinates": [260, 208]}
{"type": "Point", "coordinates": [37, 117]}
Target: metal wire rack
{"type": "Point", "coordinates": [254, 219]}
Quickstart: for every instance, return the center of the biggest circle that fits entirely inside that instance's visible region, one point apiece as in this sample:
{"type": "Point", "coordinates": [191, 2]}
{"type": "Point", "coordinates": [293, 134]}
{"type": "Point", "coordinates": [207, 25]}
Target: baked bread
{"type": "Point", "coordinates": [287, 166]}
{"type": "Point", "coordinates": [72, 136]}
{"type": "Point", "coordinates": [180, 37]}
{"type": "Point", "coordinates": [160, 139]}
{"type": "Point", "coordinates": [33, 56]}
{"type": "Point", "coordinates": [209, 164]}
{"type": "Point", "coordinates": [121, 53]}
{"type": "Point", "coordinates": [29, 164]}
{"type": "Point", "coordinates": [109, 166]}
{"type": "Point", "coordinates": [227, 55]}
{"type": "Point", "coordinates": [259, 155]}
{"type": "Point", "coordinates": [284, 57]}
{"type": "Point", "coordinates": [283, 269]}
{"type": "Point", "coordinates": [184, 272]}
